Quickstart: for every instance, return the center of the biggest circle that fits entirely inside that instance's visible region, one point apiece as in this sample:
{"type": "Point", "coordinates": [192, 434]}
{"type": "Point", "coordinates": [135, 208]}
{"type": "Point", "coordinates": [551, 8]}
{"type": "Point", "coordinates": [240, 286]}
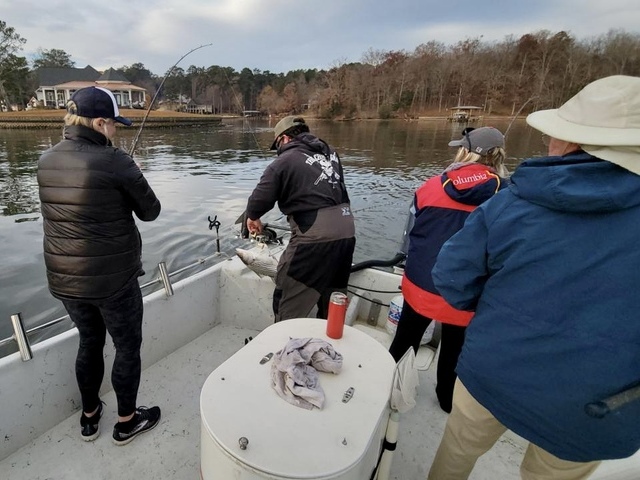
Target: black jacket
{"type": "Point", "coordinates": [88, 192]}
{"type": "Point", "coordinates": [306, 176]}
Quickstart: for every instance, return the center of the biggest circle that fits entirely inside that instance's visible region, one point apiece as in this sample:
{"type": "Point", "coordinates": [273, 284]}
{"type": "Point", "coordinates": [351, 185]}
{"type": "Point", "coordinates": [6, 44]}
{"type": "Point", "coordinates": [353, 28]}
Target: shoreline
{"type": "Point", "coordinates": [42, 119]}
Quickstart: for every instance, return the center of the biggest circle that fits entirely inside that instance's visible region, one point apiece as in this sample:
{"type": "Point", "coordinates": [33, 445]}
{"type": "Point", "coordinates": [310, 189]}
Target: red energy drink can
{"type": "Point", "coordinates": [337, 311]}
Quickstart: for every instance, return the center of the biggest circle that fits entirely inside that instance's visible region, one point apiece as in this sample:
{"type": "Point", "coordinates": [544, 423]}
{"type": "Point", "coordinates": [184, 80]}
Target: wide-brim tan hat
{"type": "Point", "coordinates": [603, 118]}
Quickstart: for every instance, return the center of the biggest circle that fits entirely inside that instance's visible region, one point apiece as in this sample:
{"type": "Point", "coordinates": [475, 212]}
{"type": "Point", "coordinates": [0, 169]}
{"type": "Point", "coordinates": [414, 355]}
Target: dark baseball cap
{"type": "Point", "coordinates": [96, 102]}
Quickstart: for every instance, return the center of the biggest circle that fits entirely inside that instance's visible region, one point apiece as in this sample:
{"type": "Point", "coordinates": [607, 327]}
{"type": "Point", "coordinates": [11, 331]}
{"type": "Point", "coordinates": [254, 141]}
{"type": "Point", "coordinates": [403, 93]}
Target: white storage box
{"type": "Point", "coordinates": [341, 441]}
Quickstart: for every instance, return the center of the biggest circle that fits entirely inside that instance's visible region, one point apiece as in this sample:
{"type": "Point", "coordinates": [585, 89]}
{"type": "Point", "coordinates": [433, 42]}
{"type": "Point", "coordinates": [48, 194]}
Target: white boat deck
{"type": "Point", "coordinates": [172, 449]}
{"type": "Point", "coordinates": [186, 337]}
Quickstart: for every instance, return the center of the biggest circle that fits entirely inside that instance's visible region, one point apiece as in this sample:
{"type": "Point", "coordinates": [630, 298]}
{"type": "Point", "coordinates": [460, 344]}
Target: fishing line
{"type": "Point", "coordinates": [146, 115]}
{"type": "Point", "coordinates": [370, 207]}
{"type": "Point", "coordinates": [242, 217]}
{"type": "Point", "coordinates": [241, 107]}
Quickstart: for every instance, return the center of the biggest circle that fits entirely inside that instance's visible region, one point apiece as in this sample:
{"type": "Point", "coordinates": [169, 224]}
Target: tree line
{"type": "Point", "coordinates": [516, 75]}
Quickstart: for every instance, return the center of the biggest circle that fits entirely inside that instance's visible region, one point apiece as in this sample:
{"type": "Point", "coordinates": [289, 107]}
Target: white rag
{"type": "Point", "coordinates": [294, 372]}
{"type": "Point", "coordinates": [405, 383]}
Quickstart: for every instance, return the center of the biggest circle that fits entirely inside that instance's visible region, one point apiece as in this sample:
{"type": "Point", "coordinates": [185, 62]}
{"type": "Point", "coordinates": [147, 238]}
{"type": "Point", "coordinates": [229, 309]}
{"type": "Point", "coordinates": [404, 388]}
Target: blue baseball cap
{"type": "Point", "coordinates": [96, 102]}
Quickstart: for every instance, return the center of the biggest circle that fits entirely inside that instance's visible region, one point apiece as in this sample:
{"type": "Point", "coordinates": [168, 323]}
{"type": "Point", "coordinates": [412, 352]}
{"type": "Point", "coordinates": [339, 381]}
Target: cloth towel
{"type": "Point", "coordinates": [294, 371]}
{"type": "Point", "coordinates": [405, 383]}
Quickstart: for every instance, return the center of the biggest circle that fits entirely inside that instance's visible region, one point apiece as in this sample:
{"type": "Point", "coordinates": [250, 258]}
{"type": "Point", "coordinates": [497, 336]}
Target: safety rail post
{"type": "Point", "coordinates": [166, 281]}
{"type": "Point", "coordinates": [20, 336]}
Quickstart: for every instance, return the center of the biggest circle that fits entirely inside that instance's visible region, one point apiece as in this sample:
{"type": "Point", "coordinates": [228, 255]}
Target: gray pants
{"type": "Point", "coordinates": [316, 262]}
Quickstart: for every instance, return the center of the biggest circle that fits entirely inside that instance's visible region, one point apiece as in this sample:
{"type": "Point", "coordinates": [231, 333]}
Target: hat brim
{"type": "Point", "coordinates": [273, 145]}
{"type": "Point", "coordinates": [552, 123]}
{"type": "Point", "coordinates": [124, 121]}
{"type": "Point", "coordinates": [457, 143]}
{"type": "Point", "coordinates": [626, 157]}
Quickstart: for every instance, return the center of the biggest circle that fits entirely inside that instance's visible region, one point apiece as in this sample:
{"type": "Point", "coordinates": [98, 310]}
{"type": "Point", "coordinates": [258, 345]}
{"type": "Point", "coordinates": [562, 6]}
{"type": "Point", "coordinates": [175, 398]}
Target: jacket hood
{"type": "Point", "coordinates": [313, 143]}
{"type": "Point", "coordinates": [577, 182]}
{"type": "Point", "coordinates": [470, 183]}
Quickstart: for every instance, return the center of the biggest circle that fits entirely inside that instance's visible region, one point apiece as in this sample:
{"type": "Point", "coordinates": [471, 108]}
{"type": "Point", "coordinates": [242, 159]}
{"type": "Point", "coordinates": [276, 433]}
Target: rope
{"type": "Point", "coordinates": [372, 290]}
{"type": "Point", "coordinates": [382, 304]}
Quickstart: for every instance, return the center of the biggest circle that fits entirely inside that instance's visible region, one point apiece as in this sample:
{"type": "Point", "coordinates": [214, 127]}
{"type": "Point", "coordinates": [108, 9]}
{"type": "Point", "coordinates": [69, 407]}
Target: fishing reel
{"type": "Point", "coordinates": [267, 236]}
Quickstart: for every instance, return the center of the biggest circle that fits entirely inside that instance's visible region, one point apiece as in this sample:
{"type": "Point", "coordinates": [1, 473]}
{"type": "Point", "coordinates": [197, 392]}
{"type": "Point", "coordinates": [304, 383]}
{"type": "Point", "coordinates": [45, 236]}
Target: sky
{"type": "Point", "coordinates": [284, 35]}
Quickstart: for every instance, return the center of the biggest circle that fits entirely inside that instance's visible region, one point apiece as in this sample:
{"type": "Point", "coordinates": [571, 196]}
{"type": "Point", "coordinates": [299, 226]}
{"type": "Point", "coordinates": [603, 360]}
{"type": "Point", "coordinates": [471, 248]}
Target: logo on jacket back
{"type": "Point", "coordinates": [470, 180]}
{"type": "Point", "coordinates": [329, 173]}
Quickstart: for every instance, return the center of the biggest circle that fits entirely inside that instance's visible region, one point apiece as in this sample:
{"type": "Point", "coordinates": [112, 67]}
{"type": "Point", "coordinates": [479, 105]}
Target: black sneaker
{"type": "Point", "coordinates": [144, 419]}
{"type": "Point", "coordinates": [91, 425]}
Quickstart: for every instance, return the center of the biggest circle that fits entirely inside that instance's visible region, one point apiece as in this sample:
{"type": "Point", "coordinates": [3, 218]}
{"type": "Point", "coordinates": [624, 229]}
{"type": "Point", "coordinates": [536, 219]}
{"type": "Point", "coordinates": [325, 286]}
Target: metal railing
{"type": "Point", "coordinates": [21, 336]}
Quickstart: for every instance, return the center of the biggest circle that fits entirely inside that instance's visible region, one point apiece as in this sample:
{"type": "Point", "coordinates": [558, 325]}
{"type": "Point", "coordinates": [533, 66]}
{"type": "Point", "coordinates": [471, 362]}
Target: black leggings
{"type": "Point", "coordinates": [411, 327]}
{"type": "Point", "coordinates": [121, 316]}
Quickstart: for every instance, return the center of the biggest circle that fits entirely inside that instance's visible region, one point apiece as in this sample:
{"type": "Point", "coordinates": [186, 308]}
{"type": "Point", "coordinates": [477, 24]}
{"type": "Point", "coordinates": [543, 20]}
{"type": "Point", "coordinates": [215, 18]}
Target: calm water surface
{"type": "Point", "coordinates": [210, 171]}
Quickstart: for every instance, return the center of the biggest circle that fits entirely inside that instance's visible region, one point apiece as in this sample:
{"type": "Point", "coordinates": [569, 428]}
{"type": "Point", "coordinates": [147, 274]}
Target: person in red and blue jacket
{"type": "Point", "coordinates": [441, 206]}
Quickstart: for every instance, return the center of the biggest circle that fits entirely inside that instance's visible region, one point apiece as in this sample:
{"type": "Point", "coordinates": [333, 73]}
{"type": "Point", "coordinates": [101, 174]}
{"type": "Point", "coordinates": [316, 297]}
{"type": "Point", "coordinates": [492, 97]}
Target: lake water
{"type": "Point", "coordinates": [201, 172]}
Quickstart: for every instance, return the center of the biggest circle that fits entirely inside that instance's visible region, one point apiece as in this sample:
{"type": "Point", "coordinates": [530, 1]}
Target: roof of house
{"type": "Point", "coordinates": [49, 76]}
{"type": "Point", "coordinates": [76, 85]}
{"type": "Point", "coordinates": [112, 75]}
{"type": "Point", "coordinates": [76, 78]}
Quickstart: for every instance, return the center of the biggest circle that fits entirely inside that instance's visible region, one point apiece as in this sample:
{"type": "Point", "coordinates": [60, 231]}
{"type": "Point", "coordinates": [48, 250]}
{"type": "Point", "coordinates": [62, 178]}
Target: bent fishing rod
{"type": "Point", "coordinates": [146, 115]}
{"type": "Point", "coordinates": [513, 119]}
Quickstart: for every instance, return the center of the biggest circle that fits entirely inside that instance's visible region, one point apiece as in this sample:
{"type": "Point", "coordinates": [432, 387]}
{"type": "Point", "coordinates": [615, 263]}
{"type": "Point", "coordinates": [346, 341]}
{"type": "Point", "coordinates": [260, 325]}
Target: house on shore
{"type": "Point", "coordinates": [56, 85]}
{"type": "Point", "coordinates": [185, 104]}
{"type": "Point", "coordinates": [464, 114]}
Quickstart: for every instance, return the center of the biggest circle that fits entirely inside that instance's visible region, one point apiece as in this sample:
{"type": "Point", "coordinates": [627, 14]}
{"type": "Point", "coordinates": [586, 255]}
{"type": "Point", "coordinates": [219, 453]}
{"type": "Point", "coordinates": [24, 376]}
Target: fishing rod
{"type": "Point", "coordinates": [518, 113]}
{"type": "Point", "coordinates": [146, 115]}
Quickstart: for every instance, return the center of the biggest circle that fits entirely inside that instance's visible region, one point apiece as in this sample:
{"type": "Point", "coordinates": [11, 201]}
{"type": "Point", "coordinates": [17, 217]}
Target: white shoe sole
{"type": "Point", "coordinates": [91, 438]}
{"type": "Point", "coordinates": [132, 437]}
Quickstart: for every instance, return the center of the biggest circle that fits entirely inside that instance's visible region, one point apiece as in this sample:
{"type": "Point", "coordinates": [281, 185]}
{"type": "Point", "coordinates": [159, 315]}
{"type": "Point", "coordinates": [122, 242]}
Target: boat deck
{"type": "Point", "coordinates": [172, 450]}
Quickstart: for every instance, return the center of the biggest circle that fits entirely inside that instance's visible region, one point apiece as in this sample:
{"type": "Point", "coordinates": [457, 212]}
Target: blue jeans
{"type": "Point", "coordinates": [121, 316]}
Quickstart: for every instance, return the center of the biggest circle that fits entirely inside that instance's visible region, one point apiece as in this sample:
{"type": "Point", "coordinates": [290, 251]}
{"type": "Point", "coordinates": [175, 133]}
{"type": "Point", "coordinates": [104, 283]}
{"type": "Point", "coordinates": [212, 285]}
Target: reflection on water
{"type": "Point", "coordinates": [203, 172]}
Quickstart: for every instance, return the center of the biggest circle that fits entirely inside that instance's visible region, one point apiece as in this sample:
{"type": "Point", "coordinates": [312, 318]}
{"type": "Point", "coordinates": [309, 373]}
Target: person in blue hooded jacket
{"type": "Point", "coordinates": [549, 265]}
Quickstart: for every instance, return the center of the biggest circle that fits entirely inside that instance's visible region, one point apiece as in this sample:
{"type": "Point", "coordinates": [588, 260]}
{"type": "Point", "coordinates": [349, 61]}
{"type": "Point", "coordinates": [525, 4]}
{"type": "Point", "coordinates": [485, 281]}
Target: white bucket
{"type": "Point", "coordinates": [395, 309]}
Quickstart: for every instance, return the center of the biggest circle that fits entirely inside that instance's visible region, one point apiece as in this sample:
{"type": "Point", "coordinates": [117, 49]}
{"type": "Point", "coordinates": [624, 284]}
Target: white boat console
{"type": "Point", "coordinates": [249, 432]}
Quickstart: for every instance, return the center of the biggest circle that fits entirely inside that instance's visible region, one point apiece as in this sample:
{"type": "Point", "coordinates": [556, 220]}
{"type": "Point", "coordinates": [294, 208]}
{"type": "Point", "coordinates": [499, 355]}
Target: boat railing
{"type": "Point", "coordinates": [21, 335]}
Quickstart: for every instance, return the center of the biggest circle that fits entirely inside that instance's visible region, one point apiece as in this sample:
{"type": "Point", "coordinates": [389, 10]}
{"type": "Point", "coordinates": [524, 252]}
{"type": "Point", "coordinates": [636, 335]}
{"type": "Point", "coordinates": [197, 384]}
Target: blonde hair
{"type": "Point", "coordinates": [495, 159]}
{"type": "Point", "coordinates": [73, 119]}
